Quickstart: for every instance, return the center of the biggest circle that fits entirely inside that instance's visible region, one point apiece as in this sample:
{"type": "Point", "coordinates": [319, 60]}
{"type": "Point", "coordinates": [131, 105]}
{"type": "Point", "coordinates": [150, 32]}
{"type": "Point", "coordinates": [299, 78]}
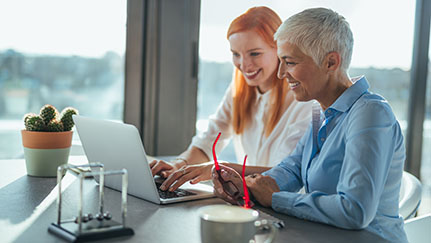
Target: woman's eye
{"type": "Point", "coordinates": [254, 54]}
{"type": "Point", "coordinates": [290, 63]}
{"type": "Point", "coordinates": [235, 54]}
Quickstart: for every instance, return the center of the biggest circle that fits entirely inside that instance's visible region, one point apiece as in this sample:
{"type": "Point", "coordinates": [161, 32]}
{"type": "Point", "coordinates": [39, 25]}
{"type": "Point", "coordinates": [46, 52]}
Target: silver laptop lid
{"type": "Point", "coordinates": [117, 146]}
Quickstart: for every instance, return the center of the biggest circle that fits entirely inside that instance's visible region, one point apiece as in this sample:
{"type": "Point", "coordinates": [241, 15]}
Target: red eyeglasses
{"type": "Point", "coordinates": [228, 186]}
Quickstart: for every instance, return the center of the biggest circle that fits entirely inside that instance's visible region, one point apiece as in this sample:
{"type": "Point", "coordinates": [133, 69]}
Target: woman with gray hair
{"type": "Point", "coordinates": [350, 160]}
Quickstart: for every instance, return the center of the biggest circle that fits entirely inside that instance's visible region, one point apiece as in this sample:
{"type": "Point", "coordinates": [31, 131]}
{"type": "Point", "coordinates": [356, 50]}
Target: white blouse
{"type": "Point", "coordinates": [261, 150]}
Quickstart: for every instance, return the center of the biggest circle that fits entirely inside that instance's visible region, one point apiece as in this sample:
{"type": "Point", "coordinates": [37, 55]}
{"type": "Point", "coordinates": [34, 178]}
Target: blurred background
{"type": "Point", "coordinates": [72, 53]}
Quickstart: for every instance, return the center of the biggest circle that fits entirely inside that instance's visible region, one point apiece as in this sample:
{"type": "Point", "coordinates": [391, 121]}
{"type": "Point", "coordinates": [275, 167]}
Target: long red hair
{"type": "Point", "coordinates": [265, 23]}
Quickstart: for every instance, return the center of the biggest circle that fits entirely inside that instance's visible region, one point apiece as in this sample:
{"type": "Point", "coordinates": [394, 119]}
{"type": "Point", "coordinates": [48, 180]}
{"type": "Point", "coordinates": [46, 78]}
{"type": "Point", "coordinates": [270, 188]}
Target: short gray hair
{"type": "Point", "coordinates": [317, 32]}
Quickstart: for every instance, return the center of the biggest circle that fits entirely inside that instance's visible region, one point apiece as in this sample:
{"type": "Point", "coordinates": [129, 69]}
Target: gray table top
{"type": "Point", "coordinates": [28, 207]}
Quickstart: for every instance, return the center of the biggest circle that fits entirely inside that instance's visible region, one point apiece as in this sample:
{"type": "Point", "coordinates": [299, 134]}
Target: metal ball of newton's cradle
{"type": "Point", "coordinates": [107, 215]}
{"type": "Point", "coordinates": [85, 218]}
{"type": "Point", "coordinates": [99, 216]}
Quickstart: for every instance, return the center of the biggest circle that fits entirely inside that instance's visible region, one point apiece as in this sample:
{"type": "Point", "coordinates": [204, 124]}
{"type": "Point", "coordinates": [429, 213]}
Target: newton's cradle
{"type": "Point", "coordinates": [89, 227]}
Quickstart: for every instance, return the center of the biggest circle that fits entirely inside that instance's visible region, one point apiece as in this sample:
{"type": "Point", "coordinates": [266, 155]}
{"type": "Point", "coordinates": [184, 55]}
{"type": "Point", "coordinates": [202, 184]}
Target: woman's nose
{"type": "Point", "coordinates": [245, 63]}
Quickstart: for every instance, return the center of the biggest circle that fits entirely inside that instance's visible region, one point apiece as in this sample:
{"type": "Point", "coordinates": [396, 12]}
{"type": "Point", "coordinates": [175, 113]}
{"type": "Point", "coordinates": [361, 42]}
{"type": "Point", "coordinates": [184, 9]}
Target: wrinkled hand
{"type": "Point", "coordinates": [163, 168]}
{"type": "Point", "coordinates": [262, 188]}
{"type": "Point", "coordinates": [228, 174]}
{"type": "Point", "coordinates": [192, 173]}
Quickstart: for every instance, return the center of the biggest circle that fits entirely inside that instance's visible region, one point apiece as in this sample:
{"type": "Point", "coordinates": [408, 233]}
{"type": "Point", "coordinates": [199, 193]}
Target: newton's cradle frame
{"type": "Point", "coordinates": [86, 227]}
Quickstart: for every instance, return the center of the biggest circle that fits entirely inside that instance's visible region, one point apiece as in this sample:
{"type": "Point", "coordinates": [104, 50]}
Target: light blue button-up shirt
{"type": "Point", "coordinates": [350, 162]}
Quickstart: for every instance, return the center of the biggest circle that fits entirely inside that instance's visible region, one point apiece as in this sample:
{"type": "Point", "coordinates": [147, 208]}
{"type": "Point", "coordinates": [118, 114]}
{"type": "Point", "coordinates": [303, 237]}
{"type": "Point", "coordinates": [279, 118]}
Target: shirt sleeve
{"type": "Point", "coordinates": [371, 137]}
{"type": "Point", "coordinates": [221, 121]}
{"type": "Point", "coordinates": [287, 173]}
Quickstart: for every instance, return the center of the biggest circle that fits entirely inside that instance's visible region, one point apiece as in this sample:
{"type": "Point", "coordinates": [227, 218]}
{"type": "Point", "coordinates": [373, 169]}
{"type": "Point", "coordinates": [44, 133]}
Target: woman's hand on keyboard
{"type": "Point", "coordinates": [163, 168]}
{"type": "Point", "coordinates": [192, 173]}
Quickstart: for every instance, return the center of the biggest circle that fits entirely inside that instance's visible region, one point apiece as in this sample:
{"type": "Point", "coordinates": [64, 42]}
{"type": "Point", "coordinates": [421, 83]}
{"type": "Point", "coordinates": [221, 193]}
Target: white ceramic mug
{"type": "Point", "coordinates": [226, 223]}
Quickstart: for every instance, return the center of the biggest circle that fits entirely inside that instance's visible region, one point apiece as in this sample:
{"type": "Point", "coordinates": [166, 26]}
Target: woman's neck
{"type": "Point", "coordinates": [336, 87]}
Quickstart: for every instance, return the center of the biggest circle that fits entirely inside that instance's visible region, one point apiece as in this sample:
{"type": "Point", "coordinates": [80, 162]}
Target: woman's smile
{"type": "Point", "coordinates": [294, 85]}
{"type": "Point", "coordinates": [252, 75]}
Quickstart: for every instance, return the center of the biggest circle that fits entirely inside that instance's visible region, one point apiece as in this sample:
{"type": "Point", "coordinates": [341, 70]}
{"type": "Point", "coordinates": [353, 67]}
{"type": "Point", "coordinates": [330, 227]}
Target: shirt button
{"type": "Point", "coordinates": [322, 139]}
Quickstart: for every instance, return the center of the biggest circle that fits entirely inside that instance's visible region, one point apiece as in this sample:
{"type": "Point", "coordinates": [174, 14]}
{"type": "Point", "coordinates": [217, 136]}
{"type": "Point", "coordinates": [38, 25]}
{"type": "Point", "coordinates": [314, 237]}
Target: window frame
{"type": "Point", "coordinates": [417, 96]}
{"type": "Point", "coordinates": [161, 72]}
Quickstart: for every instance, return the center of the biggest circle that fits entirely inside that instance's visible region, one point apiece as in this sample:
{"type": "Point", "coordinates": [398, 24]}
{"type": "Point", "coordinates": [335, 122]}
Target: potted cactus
{"type": "Point", "coordinates": [47, 139]}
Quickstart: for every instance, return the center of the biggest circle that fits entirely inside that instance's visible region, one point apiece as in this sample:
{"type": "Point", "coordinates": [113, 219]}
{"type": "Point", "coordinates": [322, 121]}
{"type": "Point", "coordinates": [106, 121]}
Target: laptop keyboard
{"type": "Point", "coordinates": [174, 194]}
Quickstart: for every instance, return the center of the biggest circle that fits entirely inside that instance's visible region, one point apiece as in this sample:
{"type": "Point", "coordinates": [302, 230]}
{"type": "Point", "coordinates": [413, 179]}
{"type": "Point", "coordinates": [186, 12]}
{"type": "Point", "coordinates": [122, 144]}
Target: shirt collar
{"type": "Point", "coordinates": [265, 96]}
{"type": "Point", "coordinates": [350, 95]}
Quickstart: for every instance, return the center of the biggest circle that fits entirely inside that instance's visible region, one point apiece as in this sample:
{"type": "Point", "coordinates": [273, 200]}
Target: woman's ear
{"type": "Point", "coordinates": [332, 61]}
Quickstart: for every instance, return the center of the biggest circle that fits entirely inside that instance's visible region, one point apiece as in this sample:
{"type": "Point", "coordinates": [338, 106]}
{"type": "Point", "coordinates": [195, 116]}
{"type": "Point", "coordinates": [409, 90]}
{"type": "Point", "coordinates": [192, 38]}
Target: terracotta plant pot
{"type": "Point", "coordinates": [45, 151]}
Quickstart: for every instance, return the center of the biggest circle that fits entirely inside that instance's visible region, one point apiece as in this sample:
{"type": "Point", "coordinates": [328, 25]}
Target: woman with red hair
{"type": "Point", "coordinates": [258, 111]}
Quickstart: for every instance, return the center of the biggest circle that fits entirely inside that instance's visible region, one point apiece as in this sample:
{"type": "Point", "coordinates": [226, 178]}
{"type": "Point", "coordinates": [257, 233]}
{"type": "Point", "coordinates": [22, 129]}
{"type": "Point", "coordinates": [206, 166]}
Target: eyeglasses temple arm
{"type": "Point", "coordinates": [244, 183]}
{"type": "Point", "coordinates": [217, 167]}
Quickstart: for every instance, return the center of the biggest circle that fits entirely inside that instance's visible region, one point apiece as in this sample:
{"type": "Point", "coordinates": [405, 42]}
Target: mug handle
{"type": "Point", "coordinates": [263, 225]}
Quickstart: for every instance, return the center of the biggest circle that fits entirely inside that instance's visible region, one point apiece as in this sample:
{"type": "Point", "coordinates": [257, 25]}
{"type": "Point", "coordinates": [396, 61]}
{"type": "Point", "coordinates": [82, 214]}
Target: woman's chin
{"type": "Point", "coordinates": [252, 83]}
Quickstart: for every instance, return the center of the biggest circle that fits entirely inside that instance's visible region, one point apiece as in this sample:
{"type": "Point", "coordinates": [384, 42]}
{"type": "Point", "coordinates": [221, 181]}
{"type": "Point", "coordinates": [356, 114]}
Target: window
{"type": "Point", "coordinates": [64, 53]}
{"type": "Point", "coordinates": [382, 50]}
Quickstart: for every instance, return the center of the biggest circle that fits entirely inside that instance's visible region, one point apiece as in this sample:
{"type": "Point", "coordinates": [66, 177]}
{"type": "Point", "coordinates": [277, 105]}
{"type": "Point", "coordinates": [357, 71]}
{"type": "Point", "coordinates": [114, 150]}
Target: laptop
{"type": "Point", "coordinates": [117, 145]}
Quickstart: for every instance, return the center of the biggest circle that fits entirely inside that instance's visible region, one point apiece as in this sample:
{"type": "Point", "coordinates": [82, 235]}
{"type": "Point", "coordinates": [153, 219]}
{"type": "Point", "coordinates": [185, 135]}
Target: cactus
{"type": "Point", "coordinates": [55, 126]}
{"type": "Point", "coordinates": [66, 117]}
{"type": "Point", "coordinates": [28, 115]}
{"type": "Point", "coordinates": [47, 120]}
{"type": "Point", "coordinates": [34, 123]}
{"type": "Point", "coordinates": [48, 113]}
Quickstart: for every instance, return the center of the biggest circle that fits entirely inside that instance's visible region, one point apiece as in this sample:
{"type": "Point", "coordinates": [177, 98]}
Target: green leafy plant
{"type": "Point", "coordinates": [49, 120]}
